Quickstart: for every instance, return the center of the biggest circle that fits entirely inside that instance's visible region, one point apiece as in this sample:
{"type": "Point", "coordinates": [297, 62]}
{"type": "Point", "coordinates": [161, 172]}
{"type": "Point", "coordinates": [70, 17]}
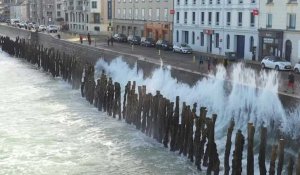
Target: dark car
{"type": "Point", "coordinates": [136, 40]}
{"type": "Point", "coordinates": [164, 45]}
{"type": "Point", "coordinates": [120, 37]}
{"type": "Point", "coordinates": [231, 56]}
{"type": "Point", "coordinates": [148, 42]}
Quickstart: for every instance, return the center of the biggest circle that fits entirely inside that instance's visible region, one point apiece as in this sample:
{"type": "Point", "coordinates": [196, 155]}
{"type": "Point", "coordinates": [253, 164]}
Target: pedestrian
{"type": "Point", "coordinates": [80, 38]}
{"type": "Point", "coordinates": [208, 64]}
{"type": "Point", "coordinates": [89, 38]}
{"type": "Point", "coordinates": [225, 63]}
{"type": "Point", "coordinates": [112, 41]}
{"type": "Point", "coordinates": [108, 40]}
{"type": "Point", "coordinates": [291, 82]}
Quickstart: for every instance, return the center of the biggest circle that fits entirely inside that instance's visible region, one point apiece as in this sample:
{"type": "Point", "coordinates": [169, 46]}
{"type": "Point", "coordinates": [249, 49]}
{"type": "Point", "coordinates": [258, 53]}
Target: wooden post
{"type": "Point", "coordinates": [250, 154]}
{"type": "Point", "coordinates": [290, 166]}
{"type": "Point", "coordinates": [273, 159]}
{"type": "Point", "coordinates": [280, 156]}
{"type": "Point", "coordinates": [238, 153]}
{"type": "Point", "coordinates": [228, 147]}
{"type": "Point", "coordinates": [262, 151]}
{"type": "Point", "coordinates": [298, 165]}
{"type": "Point", "coordinates": [174, 127]}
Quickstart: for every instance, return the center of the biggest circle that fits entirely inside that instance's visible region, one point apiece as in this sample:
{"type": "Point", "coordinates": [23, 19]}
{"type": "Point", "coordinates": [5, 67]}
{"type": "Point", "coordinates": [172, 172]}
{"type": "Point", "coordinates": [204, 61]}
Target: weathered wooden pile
{"type": "Point", "coordinates": [187, 133]}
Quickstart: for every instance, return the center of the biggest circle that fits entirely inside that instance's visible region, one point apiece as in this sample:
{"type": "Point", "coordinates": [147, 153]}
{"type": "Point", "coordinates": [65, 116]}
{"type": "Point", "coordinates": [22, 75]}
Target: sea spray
{"type": "Point", "coordinates": [243, 94]}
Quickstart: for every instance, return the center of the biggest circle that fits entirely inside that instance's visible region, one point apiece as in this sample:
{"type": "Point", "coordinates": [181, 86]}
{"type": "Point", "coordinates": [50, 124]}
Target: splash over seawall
{"type": "Point", "coordinates": [245, 96]}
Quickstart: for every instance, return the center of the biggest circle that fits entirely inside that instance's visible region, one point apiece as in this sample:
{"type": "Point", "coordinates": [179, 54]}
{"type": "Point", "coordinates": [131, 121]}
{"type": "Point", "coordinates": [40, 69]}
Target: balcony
{"type": "Point", "coordinates": [79, 7]}
{"type": "Point", "coordinates": [70, 7]}
{"type": "Point", "coordinates": [86, 8]}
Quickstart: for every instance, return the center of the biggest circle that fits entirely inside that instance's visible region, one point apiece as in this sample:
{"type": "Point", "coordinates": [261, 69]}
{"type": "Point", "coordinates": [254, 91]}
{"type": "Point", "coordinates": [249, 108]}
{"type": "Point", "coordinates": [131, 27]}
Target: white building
{"type": "Point", "coordinates": [20, 11]}
{"type": "Point", "coordinates": [279, 29]}
{"type": "Point", "coordinates": [217, 26]}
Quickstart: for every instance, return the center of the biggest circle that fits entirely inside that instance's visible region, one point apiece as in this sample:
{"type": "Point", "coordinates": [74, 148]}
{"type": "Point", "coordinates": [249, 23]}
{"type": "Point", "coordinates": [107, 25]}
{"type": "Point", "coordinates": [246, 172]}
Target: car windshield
{"type": "Point", "coordinates": [149, 39]}
{"type": "Point", "coordinates": [184, 45]}
{"type": "Point", "coordinates": [277, 59]}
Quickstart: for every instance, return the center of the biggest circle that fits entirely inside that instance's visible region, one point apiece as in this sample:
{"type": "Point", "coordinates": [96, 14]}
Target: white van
{"type": "Point", "coordinates": [14, 22]}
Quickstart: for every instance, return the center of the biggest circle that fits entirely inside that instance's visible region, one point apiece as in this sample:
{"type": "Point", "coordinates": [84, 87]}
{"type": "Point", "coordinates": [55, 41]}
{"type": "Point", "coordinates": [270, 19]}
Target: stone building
{"type": "Point", "coordinates": [149, 18]}
{"type": "Point", "coordinates": [279, 29]}
{"type": "Point", "coordinates": [84, 16]}
{"type": "Point", "coordinates": [218, 26]}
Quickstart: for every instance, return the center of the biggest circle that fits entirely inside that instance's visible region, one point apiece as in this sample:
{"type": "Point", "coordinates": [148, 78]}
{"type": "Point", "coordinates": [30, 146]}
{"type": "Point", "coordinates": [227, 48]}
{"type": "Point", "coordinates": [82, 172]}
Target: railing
{"type": "Point", "coordinates": [70, 7]}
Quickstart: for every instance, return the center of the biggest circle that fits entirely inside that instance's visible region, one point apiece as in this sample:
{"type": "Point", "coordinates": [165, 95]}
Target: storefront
{"type": "Point", "coordinates": [270, 43]}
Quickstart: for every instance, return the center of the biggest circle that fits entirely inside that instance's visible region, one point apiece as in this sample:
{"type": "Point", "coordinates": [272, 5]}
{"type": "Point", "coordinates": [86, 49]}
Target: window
{"type": "Point", "coordinates": [269, 1]}
{"type": "Point", "coordinates": [241, 1]}
{"type": "Point", "coordinates": [97, 28]}
{"type": "Point", "coordinates": [228, 18]}
{"type": "Point", "coordinates": [228, 42]}
{"type": "Point", "coordinates": [252, 20]}
{"type": "Point", "coordinates": [124, 13]}
{"type": "Point", "coordinates": [228, 1]}
{"type": "Point", "coordinates": [269, 21]}
{"type": "Point", "coordinates": [251, 43]}
{"type": "Point", "coordinates": [193, 17]}
{"type": "Point", "coordinates": [178, 2]}
{"type": "Point", "coordinates": [202, 17]}
{"type": "Point", "coordinates": [203, 1]}
{"type": "Point", "coordinates": [130, 13]}
{"type": "Point", "coordinates": [209, 18]}
{"type": "Point", "coordinates": [217, 40]}
{"type": "Point", "coordinates": [166, 14]}
{"type": "Point", "coordinates": [210, 1]}
{"type": "Point", "coordinates": [185, 2]}
{"type": "Point", "coordinates": [217, 18]}
{"type": "Point", "coordinates": [177, 36]}
{"type": "Point", "coordinates": [201, 38]}
{"type": "Point", "coordinates": [253, 1]}
{"type": "Point", "coordinates": [193, 37]}
{"type": "Point", "coordinates": [94, 4]}
{"type": "Point", "coordinates": [97, 18]}
{"type": "Point", "coordinates": [58, 14]}
{"type": "Point", "coordinates": [157, 14]}
{"type": "Point", "coordinates": [177, 17]}
{"type": "Point", "coordinates": [185, 17]}
{"type": "Point", "coordinates": [240, 18]}
{"type": "Point", "coordinates": [292, 21]}
{"type": "Point", "coordinates": [136, 13]}
{"type": "Point", "coordinates": [194, 2]}
{"type": "Point", "coordinates": [150, 14]}
{"type": "Point", "coordinates": [218, 1]}
{"type": "Point", "coordinates": [143, 14]}
{"type": "Point", "coordinates": [119, 12]}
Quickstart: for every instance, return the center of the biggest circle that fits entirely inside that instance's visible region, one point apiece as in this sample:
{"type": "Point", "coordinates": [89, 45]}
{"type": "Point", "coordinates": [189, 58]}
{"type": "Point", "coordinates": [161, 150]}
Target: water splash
{"type": "Point", "coordinates": [245, 95]}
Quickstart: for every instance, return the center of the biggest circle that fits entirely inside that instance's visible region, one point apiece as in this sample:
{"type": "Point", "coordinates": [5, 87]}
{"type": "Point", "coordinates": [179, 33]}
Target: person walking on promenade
{"type": "Point", "coordinates": [225, 64]}
{"type": "Point", "coordinates": [80, 38]}
{"type": "Point", "coordinates": [208, 64]}
{"type": "Point", "coordinates": [107, 40]}
{"type": "Point", "coordinates": [291, 82]}
{"type": "Point", "coordinates": [89, 38]}
{"type": "Point", "coordinates": [112, 41]}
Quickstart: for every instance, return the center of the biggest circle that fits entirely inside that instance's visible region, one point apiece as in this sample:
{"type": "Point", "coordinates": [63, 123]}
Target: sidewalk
{"type": "Point", "coordinates": [186, 62]}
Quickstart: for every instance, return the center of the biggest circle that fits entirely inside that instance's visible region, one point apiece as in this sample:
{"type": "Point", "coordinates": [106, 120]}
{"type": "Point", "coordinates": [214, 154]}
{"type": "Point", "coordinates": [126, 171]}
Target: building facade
{"type": "Point", "coordinates": [149, 18]}
{"type": "Point", "coordinates": [86, 16]}
{"type": "Point", "coordinates": [218, 26]}
{"type": "Point", "coordinates": [60, 7]}
{"type": "Point", "coordinates": [279, 29]}
{"type": "Point", "coordinates": [20, 10]}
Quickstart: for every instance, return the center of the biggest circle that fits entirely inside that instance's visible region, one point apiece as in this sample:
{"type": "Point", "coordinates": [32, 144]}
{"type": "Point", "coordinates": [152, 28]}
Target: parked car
{"type": "Point", "coordinates": [164, 45]}
{"type": "Point", "coordinates": [52, 29]}
{"type": "Point", "coordinates": [42, 28]}
{"type": "Point", "coordinates": [275, 62]}
{"type": "Point", "coordinates": [22, 25]}
{"type": "Point", "coordinates": [120, 37]}
{"type": "Point", "coordinates": [129, 38]}
{"type": "Point", "coordinates": [297, 67]}
{"type": "Point", "coordinates": [136, 40]}
{"type": "Point", "coordinates": [148, 42]}
{"type": "Point", "coordinates": [182, 48]}
{"type": "Point", "coordinates": [231, 56]}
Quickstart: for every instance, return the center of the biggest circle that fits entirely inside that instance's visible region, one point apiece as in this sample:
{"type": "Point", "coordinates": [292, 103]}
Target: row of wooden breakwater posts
{"type": "Point", "coordinates": [187, 133]}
